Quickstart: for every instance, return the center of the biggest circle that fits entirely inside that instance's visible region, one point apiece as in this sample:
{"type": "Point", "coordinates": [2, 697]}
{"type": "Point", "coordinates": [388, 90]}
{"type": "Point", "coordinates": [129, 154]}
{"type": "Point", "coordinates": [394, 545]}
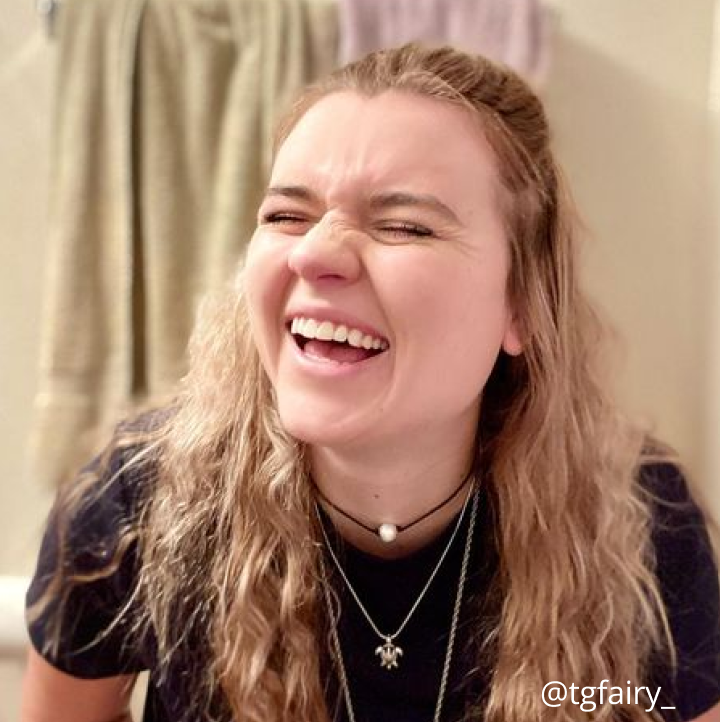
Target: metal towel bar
{"type": "Point", "coordinates": [48, 10]}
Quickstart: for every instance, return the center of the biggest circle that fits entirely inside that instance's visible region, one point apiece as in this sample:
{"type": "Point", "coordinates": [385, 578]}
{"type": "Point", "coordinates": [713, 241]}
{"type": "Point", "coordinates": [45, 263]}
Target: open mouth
{"type": "Point", "coordinates": [344, 347]}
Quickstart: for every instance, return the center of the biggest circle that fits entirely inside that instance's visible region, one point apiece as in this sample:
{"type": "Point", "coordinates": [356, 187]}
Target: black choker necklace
{"type": "Point", "coordinates": [388, 532]}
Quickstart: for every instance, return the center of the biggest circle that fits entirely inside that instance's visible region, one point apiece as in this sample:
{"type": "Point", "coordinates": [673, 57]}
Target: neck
{"type": "Point", "coordinates": [394, 485]}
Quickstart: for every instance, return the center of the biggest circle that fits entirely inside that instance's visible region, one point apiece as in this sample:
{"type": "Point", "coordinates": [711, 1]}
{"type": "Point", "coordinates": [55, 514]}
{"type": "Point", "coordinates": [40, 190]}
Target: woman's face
{"type": "Point", "coordinates": [381, 222]}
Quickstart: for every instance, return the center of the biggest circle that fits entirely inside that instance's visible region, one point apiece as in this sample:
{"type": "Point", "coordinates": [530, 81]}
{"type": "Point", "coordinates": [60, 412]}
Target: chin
{"type": "Point", "coordinates": [310, 426]}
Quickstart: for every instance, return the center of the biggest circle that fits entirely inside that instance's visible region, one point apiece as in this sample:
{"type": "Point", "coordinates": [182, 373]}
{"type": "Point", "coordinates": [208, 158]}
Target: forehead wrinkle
{"type": "Point", "coordinates": [341, 166]}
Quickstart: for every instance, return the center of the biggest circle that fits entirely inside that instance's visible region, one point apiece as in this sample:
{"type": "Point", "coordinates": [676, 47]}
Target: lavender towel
{"type": "Point", "coordinates": [513, 32]}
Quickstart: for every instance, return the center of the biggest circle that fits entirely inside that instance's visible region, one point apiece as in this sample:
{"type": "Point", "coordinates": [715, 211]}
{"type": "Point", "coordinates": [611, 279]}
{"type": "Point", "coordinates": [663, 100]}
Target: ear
{"type": "Point", "coordinates": [511, 343]}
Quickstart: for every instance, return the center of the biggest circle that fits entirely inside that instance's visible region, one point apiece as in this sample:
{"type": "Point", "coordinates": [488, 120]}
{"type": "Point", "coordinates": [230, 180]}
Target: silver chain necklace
{"type": "Point", "coordinates": [453, 626]}
{"type": "Point", "coordinates": [388, 651]}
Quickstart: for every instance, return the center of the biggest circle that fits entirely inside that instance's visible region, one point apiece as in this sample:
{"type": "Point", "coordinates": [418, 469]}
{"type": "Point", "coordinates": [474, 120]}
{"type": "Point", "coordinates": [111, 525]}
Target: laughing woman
{"type": "Point", "coordinates": [393, 485]}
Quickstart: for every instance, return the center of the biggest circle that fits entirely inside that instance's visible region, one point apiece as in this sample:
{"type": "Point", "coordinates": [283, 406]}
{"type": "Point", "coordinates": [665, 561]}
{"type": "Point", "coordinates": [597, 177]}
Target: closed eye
{"type": "Point", "coordinates": [281, 218]}
{"type": "Point", "coordinates": [407, 229]}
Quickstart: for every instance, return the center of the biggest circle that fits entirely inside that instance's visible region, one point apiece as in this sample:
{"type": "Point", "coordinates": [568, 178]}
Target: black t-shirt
{"type": "Point", "coordinates": [686, 572]}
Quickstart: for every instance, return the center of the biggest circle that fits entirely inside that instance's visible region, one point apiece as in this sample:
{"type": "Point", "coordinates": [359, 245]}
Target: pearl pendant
{"type": "Point", "coordinates": [387, 532]}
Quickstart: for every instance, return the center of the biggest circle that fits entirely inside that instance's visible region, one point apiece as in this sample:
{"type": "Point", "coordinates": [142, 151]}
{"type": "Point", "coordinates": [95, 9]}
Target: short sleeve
{"type": "Point", "coordinates": [95, 640]}
{"type": "Point", "coordinates": [687, 574]}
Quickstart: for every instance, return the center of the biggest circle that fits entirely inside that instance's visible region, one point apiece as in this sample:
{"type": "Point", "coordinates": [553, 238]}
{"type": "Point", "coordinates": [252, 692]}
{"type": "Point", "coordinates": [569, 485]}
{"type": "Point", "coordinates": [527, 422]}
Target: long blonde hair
{"type": "Point", "coordinates": [227, 540]}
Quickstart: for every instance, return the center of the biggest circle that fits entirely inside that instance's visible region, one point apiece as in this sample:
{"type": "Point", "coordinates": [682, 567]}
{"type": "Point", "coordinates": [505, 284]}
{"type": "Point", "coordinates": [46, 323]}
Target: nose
{"type": "Point", "coordinates": [328, 251]}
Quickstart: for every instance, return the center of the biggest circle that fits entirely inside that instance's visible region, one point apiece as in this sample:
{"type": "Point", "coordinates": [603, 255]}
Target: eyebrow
{"type": "Point", "coordinates": [301, 193]}
{"type": "Point", "coordinates": [394, 199]}
{"type": "Point", "coordinates": [385, 200]}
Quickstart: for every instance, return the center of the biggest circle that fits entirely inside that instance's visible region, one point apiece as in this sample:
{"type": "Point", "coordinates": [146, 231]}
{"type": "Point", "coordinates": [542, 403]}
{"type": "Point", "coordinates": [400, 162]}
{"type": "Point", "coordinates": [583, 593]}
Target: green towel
{"type": "Point", "coordinates": [164, 118]}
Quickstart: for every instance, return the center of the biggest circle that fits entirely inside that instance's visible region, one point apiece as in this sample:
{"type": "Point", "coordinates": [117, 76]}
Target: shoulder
{"type": "Point", "coordinates": [108, 495]}
{"type": "Point", "coordinates": [679, 526]}
{"type": "Point", "coordinates": [87, 566]}
{"type": "Point", "coordinates": [687, 574]}
{"type": "Point", "coordinates": [665, 481]}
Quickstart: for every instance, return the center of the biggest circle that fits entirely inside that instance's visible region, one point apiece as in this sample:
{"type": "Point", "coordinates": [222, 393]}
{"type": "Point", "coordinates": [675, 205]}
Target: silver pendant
{"type": "Point", "coordinates": [389, 654]}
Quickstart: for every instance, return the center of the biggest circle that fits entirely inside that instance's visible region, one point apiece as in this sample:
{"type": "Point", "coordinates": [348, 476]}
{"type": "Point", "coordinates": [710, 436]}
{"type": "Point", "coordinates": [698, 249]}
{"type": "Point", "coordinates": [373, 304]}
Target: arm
{"type": "Point", "coordinates": [688, 578]}
{"type": "Point", "coordinates": [49, 695]}
{"type": "Point", "coordinates": [712, 715]}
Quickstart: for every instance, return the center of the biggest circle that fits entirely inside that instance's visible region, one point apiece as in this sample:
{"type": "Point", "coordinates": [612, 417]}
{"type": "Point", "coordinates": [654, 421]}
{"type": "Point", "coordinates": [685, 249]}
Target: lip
{"type": "Point", "coordinates": [331, 369]}
{"type": "Point", "coordinates": [335, 317]}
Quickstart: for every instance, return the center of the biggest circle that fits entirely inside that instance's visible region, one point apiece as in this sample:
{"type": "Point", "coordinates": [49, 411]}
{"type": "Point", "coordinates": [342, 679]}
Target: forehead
{"type": "Point", "coordinates": [347, 140]}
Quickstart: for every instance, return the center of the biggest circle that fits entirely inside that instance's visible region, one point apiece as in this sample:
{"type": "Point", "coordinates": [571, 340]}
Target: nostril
{"type": "Point", "coordinates": [323, 256]}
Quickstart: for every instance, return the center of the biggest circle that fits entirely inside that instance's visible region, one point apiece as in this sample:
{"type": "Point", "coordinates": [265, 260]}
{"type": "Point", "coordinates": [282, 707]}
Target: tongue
{"type": "Point", "coordinates": [338, 352]}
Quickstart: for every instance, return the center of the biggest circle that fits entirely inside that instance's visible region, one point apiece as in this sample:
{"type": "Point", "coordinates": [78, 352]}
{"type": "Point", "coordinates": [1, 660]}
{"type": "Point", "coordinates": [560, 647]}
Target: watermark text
{"type": "Point", "coordinates": [554, 694]}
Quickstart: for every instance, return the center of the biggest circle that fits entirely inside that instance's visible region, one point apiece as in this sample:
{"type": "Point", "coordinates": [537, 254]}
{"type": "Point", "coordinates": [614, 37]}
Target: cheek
{"type": "Point", "coordinates": [254, 285]}
{"type": "Point", "coordinates": [266, 272]}
{"type": "Point", "coordinates": [451, 301]}
{"type": "Point", "coordinates": [457, 318]}
{"type": "Point", "coordinates": [262, 281]}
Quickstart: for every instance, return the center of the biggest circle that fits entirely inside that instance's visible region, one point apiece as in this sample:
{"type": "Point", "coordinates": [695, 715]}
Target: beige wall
{"type": "Point", "coordinates": [628, 98]}
{"type": "Point", "coordinates": [25, 75]}
{"type": "Point", "coordinates": [712, 416]}
{"type": "Point", "coordinates": [25, 88]}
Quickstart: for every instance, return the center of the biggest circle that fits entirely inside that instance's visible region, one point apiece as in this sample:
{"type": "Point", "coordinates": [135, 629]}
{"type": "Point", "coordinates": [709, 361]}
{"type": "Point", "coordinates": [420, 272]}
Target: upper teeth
{"type": "Point", "coordinates": [327, 331]}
